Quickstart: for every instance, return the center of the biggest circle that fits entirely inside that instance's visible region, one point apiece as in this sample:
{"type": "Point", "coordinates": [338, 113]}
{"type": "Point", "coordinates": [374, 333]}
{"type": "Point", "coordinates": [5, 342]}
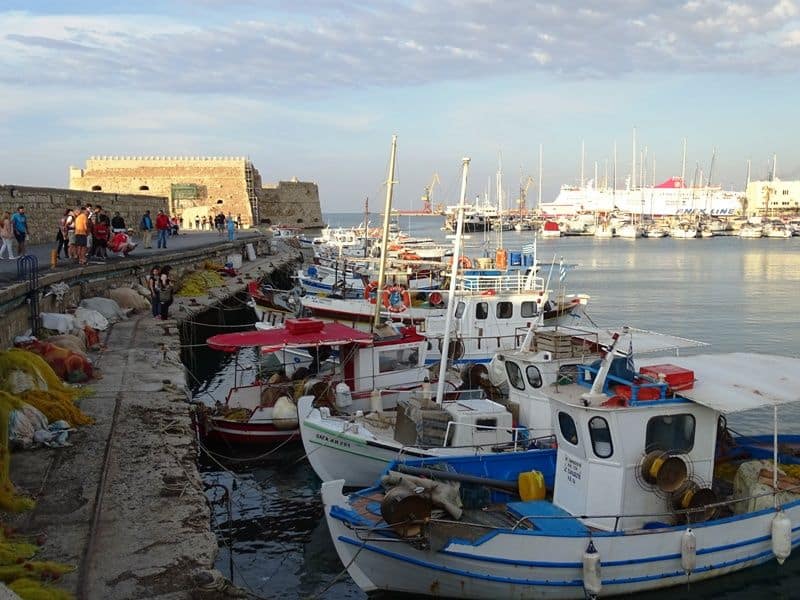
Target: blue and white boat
{"type": "Point", "coordinates": [643, 492]}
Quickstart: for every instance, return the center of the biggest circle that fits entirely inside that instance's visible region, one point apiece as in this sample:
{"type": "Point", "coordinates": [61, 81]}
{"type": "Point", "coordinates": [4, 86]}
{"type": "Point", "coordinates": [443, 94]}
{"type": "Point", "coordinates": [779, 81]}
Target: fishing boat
{"type": "Point", "coordinates": [335, 364]}
{"type": "Point", "coordinates": [642, 493]}
{"type": "Point", "coordinates": [751, 230]}
{"type": "Point", "coordinates": [684, 230]}
{"type": "Point", "coordinates": [550, 229]}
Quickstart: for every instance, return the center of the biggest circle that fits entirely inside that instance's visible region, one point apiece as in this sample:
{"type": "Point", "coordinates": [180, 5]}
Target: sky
{"type": "Point", "coordinates": [315, 89]}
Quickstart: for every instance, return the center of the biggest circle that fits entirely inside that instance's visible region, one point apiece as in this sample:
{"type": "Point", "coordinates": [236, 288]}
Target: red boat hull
{"type": "Point", "coordinates": [214, 429]}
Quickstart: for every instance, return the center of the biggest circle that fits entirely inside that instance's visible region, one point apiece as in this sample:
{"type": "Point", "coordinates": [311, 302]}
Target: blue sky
{"type": "Point", "coordinates": [315, 89]}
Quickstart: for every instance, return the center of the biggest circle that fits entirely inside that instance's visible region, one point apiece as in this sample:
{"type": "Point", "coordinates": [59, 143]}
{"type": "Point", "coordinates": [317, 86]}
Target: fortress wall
{"type": "Point", "coordinates": [45, 206]}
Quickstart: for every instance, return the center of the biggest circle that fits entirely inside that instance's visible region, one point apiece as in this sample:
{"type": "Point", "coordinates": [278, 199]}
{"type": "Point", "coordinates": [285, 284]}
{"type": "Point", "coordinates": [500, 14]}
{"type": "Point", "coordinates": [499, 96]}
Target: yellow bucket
{"type": "Point", "coordinates": [531, 486]}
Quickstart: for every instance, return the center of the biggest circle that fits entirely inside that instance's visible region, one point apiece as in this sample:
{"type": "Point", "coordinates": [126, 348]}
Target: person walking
{"type": "Point", "coordinates": [7, 235]}
{"type": "Point", "coordinates": [146, 226]}
{"type": "Point", "coordinates": [219, 224]}
{"type": "Point", "coordinates": [62, 237]}
{"type": "Point", "coordinates": [231, 227]}
{"type": "Point", "coordinates": [81, 234]}
{"type": "Point", "coordinates": [20, 224]}
{"type": "Point", "coordinates": [197, 223]}
{"type": "Point", "coordinates": [153, 283]}
{"type": "Point", "coordinates": [165, 292]}
{"type": "Point", "coordinates": [162, 225]}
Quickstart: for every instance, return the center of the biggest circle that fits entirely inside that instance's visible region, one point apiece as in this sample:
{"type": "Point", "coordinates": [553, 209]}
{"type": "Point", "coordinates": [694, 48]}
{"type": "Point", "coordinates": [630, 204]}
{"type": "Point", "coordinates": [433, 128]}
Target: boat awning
{"type": "Point", "coordinates": [644, 341]}
{"type": "Point", "coordinates": [736, 382]}
{"type": "Point", "coordinates": [269, 340]}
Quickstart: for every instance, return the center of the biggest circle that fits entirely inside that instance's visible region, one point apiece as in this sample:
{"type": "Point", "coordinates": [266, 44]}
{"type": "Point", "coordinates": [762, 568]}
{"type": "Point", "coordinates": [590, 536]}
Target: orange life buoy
{"type": "Point", "coordinates": [488, 293]}
{"type": "Point", "coordinates": [396, 298]}
{"type": "Point", "coordinates": [501, 258]}
{"type": "Point", "coordinates": [394, 247]}
{"type": "Point", "coordinates": [435, 299]}
{"type": "Point", "coordinates": [410, 256]}
{"type": "Point", "coordinates": [463, 262]}
{"type": "Point", "coordinates": [370, 292]}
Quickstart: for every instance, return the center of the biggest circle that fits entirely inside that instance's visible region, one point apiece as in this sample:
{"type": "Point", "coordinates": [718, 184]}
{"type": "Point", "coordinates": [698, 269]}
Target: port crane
{"type": "Point", "coordinates": [427, 208]}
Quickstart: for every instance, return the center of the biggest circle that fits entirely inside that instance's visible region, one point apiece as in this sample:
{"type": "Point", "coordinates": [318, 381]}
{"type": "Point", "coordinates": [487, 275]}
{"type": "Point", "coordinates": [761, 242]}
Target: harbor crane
{"type": "Point", "coordinates": [427, 208]}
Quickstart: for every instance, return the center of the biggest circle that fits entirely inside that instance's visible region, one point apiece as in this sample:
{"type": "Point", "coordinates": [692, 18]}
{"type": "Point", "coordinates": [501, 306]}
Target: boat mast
{"type": "Point", "coordinates": [683, 164]}
{"type": "Point", "coordinates": [633, 167]}
{"type": "Point", "coordinates": [387, 211]}
{"type": "Point", "coordinates": [366, 226]}
{"type": "Point", "coordinates": [583, 156]}
{"type": "Point", "coordinates": [451, 296]}
{"type": "Point", "coordinates": [614, 188]}
{"type": "Point", "coordinates": [711, 168]}
{"type": "Point", "coordinates": [774, 167]}
{"type": "Point", "coordinates": [500, 200]}
{"type": "Point", "coordinates": [539, 197]}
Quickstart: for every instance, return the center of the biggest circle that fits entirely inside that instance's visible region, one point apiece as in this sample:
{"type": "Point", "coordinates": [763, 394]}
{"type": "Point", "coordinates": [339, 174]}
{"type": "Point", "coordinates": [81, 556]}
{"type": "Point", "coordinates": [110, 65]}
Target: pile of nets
{"type": "Point", "coordinates": [69, 364]}
{"type": "Point", "coordinates": [26, 577]}
{"type": "Point", "coordinates": [199, 282]}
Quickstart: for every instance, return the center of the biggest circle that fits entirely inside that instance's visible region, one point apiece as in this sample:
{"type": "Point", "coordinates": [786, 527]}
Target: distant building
{"type": "Point", "coordinates": [776, 197]}
{"type": "Point", "coordinates": [197, 188]}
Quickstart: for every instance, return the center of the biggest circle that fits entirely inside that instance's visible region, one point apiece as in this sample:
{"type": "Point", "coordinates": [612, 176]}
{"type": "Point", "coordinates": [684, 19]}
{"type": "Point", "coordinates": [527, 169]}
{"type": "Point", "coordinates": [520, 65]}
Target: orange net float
{"type": "Point", "coordinates": [396, 298]}
{"type": "Point", "coordinates": [371, 292]}
{"type": "Point", "coordinates": [501, 258]}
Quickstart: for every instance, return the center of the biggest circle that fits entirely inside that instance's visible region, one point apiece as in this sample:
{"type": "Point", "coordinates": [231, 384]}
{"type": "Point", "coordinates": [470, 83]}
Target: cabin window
{"type": "Point", "coordinates": [534, 376]}
{"type": "Point", "coordinates": [529, 309]}
{"type": "Point", "coordinates": [515, 375]}
{"type": "Point", "coordinates": [670, 433]}
{"type": "Point", "coordinates": [481, 310]}
{"type": "Point", "coordinates": [394, 360]}
{"type": "Point", "coordinates": [600, 435]}
{"type": "Point", "coordinates": [460, 310]}
{"type": "Point", "coordinates": [505, 310]}
{"type": "Point", "coordinates": [568, 430]}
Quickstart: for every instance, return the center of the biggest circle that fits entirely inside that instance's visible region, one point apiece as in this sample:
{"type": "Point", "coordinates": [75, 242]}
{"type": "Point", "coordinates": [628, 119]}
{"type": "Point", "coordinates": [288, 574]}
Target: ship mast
{"type": "Point", "coordinates": [451, 296]}
{"type": "Point", "coordinates": [387, 210]}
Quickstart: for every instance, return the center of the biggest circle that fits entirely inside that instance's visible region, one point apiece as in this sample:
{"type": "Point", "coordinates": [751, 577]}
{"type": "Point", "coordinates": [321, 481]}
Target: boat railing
{"type": "Point", "coordinates": [492, 280]}
{"type": "Point", "coordinates": [520, 436]}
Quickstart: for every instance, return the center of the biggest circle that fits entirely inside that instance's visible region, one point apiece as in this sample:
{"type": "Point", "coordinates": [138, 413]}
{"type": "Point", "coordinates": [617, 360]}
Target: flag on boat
{"type": "Point", "coordinates": [562, 270]}
{"type": "Point", "coordinates": [629, 361]}
{"type": "Point", "coordinates": [529, 248]}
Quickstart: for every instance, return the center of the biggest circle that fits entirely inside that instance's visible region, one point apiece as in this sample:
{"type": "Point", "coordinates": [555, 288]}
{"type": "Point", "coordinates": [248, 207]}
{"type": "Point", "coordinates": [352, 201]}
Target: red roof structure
{"type": "Point", "coordinates": [298, 333]}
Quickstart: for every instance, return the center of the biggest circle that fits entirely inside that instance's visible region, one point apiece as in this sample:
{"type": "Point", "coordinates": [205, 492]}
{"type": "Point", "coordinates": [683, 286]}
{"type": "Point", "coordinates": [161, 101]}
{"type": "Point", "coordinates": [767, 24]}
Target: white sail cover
{"type": "Point", "coordinates": [738, 381]}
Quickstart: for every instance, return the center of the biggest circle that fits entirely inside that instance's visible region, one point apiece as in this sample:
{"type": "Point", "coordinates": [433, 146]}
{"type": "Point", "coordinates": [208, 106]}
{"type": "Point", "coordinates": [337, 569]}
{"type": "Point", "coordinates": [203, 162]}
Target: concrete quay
{"type": "Point", "coordinates": [125, 503]}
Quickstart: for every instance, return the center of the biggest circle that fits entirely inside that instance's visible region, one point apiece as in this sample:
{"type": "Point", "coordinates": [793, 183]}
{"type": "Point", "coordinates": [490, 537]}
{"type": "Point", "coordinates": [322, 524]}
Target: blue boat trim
{"type": "Point", "coordinates": [550, 583]}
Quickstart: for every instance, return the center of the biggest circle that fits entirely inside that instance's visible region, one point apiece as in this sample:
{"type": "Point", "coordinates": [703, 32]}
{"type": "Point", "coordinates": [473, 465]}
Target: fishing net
{"type": "Point", "coordinates": [199, 282]}
{"type": "Point", "coordinates": [30, 589]}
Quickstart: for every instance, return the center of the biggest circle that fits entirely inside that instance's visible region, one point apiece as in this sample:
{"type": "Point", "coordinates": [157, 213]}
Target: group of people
{"type": "Point", "coordinates": [163, 225]}
{"type": "Point", "coordinates": [161, 289]}
{"type": "Point", "coordinates": [85, 231]}
{"type": "Point", "coordinates": [13, 227]}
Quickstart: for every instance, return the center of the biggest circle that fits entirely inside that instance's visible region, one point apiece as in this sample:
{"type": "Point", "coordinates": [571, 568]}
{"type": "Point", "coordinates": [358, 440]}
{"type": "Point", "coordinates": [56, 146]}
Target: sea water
{"type": "Point", "coordinates": [734, 294]}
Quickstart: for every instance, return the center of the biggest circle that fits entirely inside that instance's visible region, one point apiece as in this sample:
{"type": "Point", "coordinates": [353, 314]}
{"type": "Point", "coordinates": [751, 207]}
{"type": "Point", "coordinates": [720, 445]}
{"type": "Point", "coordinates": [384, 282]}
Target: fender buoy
{"type": "Point", "coordinates": [396, 298]}
{"type": "Point", "coordinates": [435, 299]}
{"type": "Point", "coordinates": [371, 292]}
{"type": "Point", "coordinates": [410, 256]}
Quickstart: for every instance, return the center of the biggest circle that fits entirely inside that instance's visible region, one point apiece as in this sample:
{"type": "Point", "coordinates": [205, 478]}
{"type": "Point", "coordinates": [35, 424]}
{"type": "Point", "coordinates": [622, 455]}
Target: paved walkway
{"type": "Point", "coordinates": [185, 241]}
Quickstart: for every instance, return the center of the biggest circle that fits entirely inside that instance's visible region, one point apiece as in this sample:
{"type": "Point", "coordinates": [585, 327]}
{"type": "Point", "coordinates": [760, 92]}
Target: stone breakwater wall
{"type": "Point", "coordinates": [293, 203]}
{"type": "Point", "coordinates": [96, 280]}
{"type": "Point", "coordinates": [45, 206]}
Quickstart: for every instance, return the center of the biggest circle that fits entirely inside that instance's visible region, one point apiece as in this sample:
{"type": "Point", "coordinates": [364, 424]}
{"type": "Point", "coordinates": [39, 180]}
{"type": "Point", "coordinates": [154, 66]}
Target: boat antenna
{"type": "Point", "coordinates": [366, 226]}
{"type": "Point", "coordinates": [387, 210]}
{"type": "Point", "coordinates": [451, 296]}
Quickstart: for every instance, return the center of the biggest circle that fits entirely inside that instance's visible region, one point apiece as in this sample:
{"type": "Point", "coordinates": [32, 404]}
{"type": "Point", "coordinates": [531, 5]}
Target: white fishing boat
{"type": "Point", "coordinates": [260, 407]}
{"type": "Point", "coordinates": [640, 494]}
{"type": "Point", "coordinates": [751, 230]}
{"type": "Point", "coordinates": [629, 230]}
{"type": "Point", "coordinates": [777, 229]}
{"type": "Point", "coordinates": [654, 231]}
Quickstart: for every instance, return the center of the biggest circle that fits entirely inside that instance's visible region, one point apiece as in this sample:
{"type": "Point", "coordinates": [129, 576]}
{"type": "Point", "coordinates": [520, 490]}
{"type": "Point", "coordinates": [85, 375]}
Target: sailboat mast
{"type": "Point", "coordinates": [633, 167]}
{"type": "Point", "coordinates": [387, 210]}
{"type": "Point", "coordinates": [614, 191]}
{"type": "Point", "coordinates": [451, 296]}
{"type": "Point", "coordinates": [683, 164]}
{"type": "Point", "coordinates": [711, 168]}
{"type": "Point", "coordinates": [583, 156]}
{"type": "Point", "coordinates": [539, 197]}
{"type": "Point", "coordinates": [366, 226]}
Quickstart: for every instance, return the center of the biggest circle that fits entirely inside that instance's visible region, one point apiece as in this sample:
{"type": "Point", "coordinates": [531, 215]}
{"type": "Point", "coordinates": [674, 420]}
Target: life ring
{"type": "Point", "coordinates": [410, 256]}
{"type": "Point", "coordinates": [436, 299]}
{"type": "Point", "coordinates": [371, 292]}
{"type": "Point", "coordinates": [463, 262]}
{"type": "Point", "coordinates": [396, 298]}
{"type": "Point", "coordinates": [488, 293]}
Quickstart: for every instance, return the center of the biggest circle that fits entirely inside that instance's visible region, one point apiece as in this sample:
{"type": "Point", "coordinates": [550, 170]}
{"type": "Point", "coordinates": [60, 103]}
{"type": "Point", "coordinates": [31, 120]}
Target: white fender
{"type": "Point", "coordinates": [592, 578]}
{"type": "Point", "coordinates": [781, 536]}
{"type": "Point", "coordinates": [688, 551]}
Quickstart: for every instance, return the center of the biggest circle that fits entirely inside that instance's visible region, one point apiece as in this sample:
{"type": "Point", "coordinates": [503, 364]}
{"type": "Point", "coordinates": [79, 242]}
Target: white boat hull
{"type": "Point", "coordinates": [533, 564]}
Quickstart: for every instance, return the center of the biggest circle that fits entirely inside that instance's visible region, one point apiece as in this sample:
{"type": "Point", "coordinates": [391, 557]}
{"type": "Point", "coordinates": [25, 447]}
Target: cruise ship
{"type": "Point", "coordinates": [667, 199]}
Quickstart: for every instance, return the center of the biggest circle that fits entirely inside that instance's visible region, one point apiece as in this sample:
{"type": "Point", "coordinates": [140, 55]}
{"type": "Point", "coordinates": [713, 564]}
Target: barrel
{"type": "Point", "coordinates": [516, 259]}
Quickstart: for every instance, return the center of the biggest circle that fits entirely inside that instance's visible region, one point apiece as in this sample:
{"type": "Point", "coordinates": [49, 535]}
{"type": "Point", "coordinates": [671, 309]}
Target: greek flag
{"type": "Point", "coordinates": [529, 248]}
{"type": "Point", "coordinates": [629, 360]}
{"type": "Point", "coordinates": [562, 270]}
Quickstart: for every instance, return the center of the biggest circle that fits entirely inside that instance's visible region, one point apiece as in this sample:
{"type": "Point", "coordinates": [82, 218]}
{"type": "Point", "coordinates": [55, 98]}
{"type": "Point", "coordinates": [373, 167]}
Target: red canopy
{"type": "Point", "coordinates": [329, 334]}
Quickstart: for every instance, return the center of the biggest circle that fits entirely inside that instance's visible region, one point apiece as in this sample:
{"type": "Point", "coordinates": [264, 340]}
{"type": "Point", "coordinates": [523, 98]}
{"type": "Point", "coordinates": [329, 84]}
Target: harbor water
{"type": "Point", "coordinates": [734, 294]}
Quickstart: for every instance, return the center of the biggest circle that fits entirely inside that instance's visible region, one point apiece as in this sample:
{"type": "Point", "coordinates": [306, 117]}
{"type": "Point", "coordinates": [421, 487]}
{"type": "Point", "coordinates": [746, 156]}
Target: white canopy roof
{"type": "Point", "coordinates": [739, 381]}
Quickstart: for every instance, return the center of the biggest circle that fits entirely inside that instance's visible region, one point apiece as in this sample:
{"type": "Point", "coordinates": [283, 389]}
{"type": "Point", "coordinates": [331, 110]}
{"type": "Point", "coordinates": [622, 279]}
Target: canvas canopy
{"type": "Point", "coordinates": [330, 334]}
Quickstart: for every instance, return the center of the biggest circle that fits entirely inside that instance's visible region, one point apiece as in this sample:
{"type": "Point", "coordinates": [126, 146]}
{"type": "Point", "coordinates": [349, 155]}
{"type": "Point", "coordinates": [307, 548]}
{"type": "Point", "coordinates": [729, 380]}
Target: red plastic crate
{"type": "Point", "coordinates": [300, 326]}
{"type": "Point", "coordinates": [676, 377]}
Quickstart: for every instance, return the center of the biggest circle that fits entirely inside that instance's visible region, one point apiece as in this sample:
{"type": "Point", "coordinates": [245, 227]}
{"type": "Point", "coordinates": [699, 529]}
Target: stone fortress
{"type": "Point", "coordinates": [199, 187]}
